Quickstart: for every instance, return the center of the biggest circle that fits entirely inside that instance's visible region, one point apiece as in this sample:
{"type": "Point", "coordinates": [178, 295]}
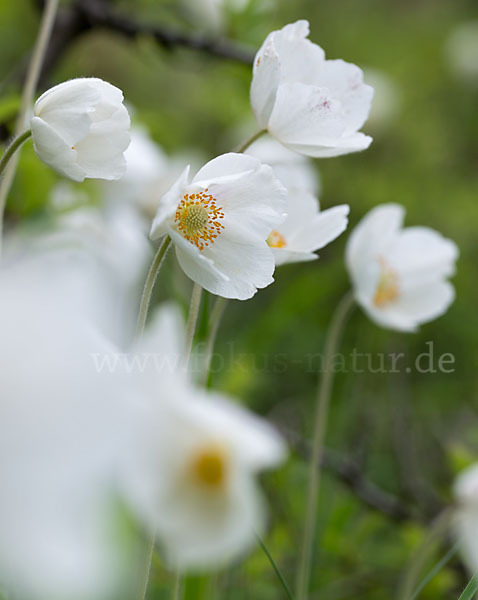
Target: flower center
{"type": "Point", "coordinates": [198, 218]}
{"type": "Point", "coordinates": [209, 467]}
{"type": "Point", "coordinates": [276, 240]}
{"type": "Point", "coordinates": [387, 288]}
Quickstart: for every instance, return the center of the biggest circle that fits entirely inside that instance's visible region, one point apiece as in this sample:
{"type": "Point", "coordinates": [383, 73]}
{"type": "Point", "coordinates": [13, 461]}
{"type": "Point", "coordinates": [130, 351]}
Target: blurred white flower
{"type": "Point", "coordinates": [219, 223]}
{"type": "Point", "coordinates": [466, 516]}
{"type": "Point", "coordinates": [62, 434]}
{"type": "Point", "coordinates": [311, 105]}
{"type": "Point", "coordinates": [80, 129]}
{"type": "Point", "coordinates": [294, 171]}
{"type": "Point", "coordinates": [101, 254]}
{"type": "Point", "coordinates": [399, 275]}
{"type": "Point", "coordinates": [193, 468]}
{"type": "Point", "coordinates": [462, 50]}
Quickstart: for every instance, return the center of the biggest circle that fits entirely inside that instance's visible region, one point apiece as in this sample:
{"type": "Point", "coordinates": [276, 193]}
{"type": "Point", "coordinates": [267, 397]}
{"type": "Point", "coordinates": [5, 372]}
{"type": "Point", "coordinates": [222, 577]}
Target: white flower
{"type": "Point", "coordinates": [62, 432]}
{"type": "Point", "coordinates": [311, 105]}
{"type": "Point", "coordinates": [399, 275]}
{"type": "Point", "coordinates": [80, 129]}
{"type": "Point", "coordinates": [461, 51]}
{"type": "Point", "coordinates": [219, 223]}
{"type": "Point", "coordinates": [306, 229]}
{"type": "Point", "coordinates": [466, 516]}
{"type": "Point", "coordinates": [194, 465]}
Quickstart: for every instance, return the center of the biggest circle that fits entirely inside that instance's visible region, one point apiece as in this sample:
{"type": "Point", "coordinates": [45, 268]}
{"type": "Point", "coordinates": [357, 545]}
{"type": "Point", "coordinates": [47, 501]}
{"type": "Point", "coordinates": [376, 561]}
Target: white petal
{"type": "Point", "coordinates": [82, 93]}
{"type": "Point", "coordinates": [53, 151]}
{"type": "Point", "coordinates": [225, 165]}
{"type": "Point", "coordinates": [265, 81]}
{"type": "Point", "coordinates": [284, 256]}
{"type": "Point", "coordinates": [321, 230]}
{"type": "Point", "coordinates": [305, 114]}
{"type": "Point", "coordinates": [345, 82]}
{"type": "Point", "coordinates": [330, 148]}
{"type": "Point", "coordinates": [168, 205]}
{"type": "Point", "coordinates": [100, 158]}
{"type": "Point", "coordinates": [371, 237]}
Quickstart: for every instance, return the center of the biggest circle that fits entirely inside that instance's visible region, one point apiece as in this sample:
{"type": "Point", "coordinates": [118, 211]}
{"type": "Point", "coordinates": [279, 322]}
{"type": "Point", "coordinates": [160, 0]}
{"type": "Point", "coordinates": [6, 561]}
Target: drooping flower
{"type": "Point", "coordinates": [219, 223]}
{"type": "Point", "coordinates": [80, 129]}
{"type": "Point", "coordinates": [466, 516]}
{"type": "Point", "coordinates": [305, 228]}
{"type": "Point", "coordinates": [400, 275]}
{"type": "Point", "coordinates": [311, 105]}
{"type": "Point", "coordinates": [194, 464]}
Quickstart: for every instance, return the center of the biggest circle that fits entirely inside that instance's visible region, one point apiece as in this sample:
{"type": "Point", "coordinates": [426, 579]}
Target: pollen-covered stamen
{"type": "Point", "coordinates": [198, 218]}
{"type": "Point", "coordinates": [276, 240]}
{"type": "Point", "coordinates": [387, 288]}
{"type": "Point", "coordinates": [209, 467]}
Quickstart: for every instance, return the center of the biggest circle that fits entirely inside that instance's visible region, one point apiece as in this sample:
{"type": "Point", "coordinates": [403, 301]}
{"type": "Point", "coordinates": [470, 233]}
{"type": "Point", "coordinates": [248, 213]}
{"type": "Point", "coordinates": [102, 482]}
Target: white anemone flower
{"type": "Point", "coordinates": [63, 428]}
{"type": "Point", "coordinates": [311, 105]}
{"type": "Point", "coordinates": [306, 228]}
{"type": "Point", "coordinates": [400, 275]}
{"type": "Point", "coordinates": [219, 223]}
{"type": "Point", "coordinates": [80, 128]}
{"type": "Point", "coordinates": [466, 516]}
{"type": "Point", "coordinates": [193, 470]}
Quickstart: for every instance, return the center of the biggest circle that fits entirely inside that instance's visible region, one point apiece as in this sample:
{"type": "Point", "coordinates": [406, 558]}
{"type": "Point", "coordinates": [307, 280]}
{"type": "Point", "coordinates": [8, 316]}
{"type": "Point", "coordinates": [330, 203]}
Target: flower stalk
{"type": "Point", "coordinates": [10, 151]}
{"type": "Point", "coordinates": [149, 285]}
{"type": "Point", "coordinates": [33, 74]}
{"type": "Point", "coordinates": [192, 321]}
{"type": "Point", "coordinates": [215, 321]}
{"type": "Point", "coordinates": [332, 342]}
{"type": "Point", "coordinates": [244, 146]}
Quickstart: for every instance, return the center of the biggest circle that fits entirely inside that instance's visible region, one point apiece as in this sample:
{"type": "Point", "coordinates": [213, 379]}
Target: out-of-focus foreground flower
{"type": "Point", "coordinates": [80, 129]}
{"type": "Point", "coordinates": [219, 223]}
{"type": "Point", "coordinates": [400, 275]}
{"type": "Point", "coordinates": [193, 467]}
{"type": "Point", "coordinates": [62, 431]}
{"type": "Point", "coordinates": [311, 105]}
{"type": "Point", "coordinates": [466, 516]}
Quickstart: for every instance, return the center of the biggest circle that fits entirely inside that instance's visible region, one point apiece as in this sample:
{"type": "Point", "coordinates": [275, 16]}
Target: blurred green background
{"type": "Point", "coordinates": [406, 433]}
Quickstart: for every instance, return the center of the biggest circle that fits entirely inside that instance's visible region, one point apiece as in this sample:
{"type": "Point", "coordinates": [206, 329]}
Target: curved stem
{"type": "Point", "coordinates": [278, 572]}
{"type": "Point", "coordinates": [332, 341]}
{"type": "Point", "coordinates": [192, 321]}
{"type": "Point", "coordinates": [149, 285]}
{"type": "Point", "coordinates": [33, 74]}
{"type": "Point", "coordinates": [243, 147]}
{"type": "Point", "coordinates": [10, 151]}
{"type": "Point", "coordinates": [215, 321]}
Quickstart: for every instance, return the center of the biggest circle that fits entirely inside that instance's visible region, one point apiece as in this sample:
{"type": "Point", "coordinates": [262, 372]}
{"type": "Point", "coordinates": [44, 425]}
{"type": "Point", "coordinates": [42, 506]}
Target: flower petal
{"type": "Point", "coordinates": [54, 151]}
{"type": "Point", "coordinates": [168, 204]}
{"type": "Point", "coordinates": [331, 148]}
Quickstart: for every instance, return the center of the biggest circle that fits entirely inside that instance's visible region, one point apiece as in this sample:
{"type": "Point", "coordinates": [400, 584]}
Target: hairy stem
{"type": "Point", "coordinates": [10, 151]}
{"type": "Point", "coordinates": [332, 341]}
{"type": "Point", "coordinates": [149, 285]}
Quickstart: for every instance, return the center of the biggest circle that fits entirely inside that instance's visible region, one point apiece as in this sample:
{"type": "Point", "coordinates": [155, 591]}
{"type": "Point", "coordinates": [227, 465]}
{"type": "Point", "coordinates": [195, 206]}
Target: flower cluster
{"type": "Point", "coordinates": [94, 429]}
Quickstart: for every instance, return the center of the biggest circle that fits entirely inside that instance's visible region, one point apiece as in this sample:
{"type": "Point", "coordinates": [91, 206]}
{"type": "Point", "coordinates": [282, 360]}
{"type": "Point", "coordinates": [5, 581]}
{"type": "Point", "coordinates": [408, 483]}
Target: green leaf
{"type": "Point", "coordinates": [470, 589]}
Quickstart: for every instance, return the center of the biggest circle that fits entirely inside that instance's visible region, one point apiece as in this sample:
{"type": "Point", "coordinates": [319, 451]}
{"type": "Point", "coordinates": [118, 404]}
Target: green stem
{"type": "Point", "coordinates": [31, 82]}
{"type": "Point", "coordinates": [276, 568]}
{"type": "Point", "coordinates": [251, 140]}
{"type": "Point", "coordinates": [438, 530]}
{"type": "Point", "coordinates": [436, 569]}
{"type": "Point", "coordinates": [149, 285]}
{"type": "Point", "coordinates": [332, 341]}
{"type": "Point", "coordinates": [192, 321]}
{"type": "Point", "coordinates": [215, 321]}
{"type": "Point", "coordinates": [470, 589]}
{"type": "Point", "coordinates": [10, 151]}
{"type": "Point", "coordinates": [176, 586]}
{"type": "Point", "coordinates": [147, 570]}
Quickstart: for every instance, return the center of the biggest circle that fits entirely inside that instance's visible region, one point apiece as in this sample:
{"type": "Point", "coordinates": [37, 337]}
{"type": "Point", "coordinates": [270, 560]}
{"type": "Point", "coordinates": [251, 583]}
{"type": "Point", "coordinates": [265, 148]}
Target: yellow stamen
{"type": "Point", "coordinates": [387, 288]}
{"type": "Point", "coordinates": [198, 218]}
{"type": "Point", "coordinates": [276, 240]}
{"type": "Point", "coordinates": [209, 467]}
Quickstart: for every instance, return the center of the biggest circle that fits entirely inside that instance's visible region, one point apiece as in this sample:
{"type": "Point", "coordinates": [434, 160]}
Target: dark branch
{"type": "Point", "coordinates": [99, 14]}
{"type": "Point", "coordinates": [350, 474]}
